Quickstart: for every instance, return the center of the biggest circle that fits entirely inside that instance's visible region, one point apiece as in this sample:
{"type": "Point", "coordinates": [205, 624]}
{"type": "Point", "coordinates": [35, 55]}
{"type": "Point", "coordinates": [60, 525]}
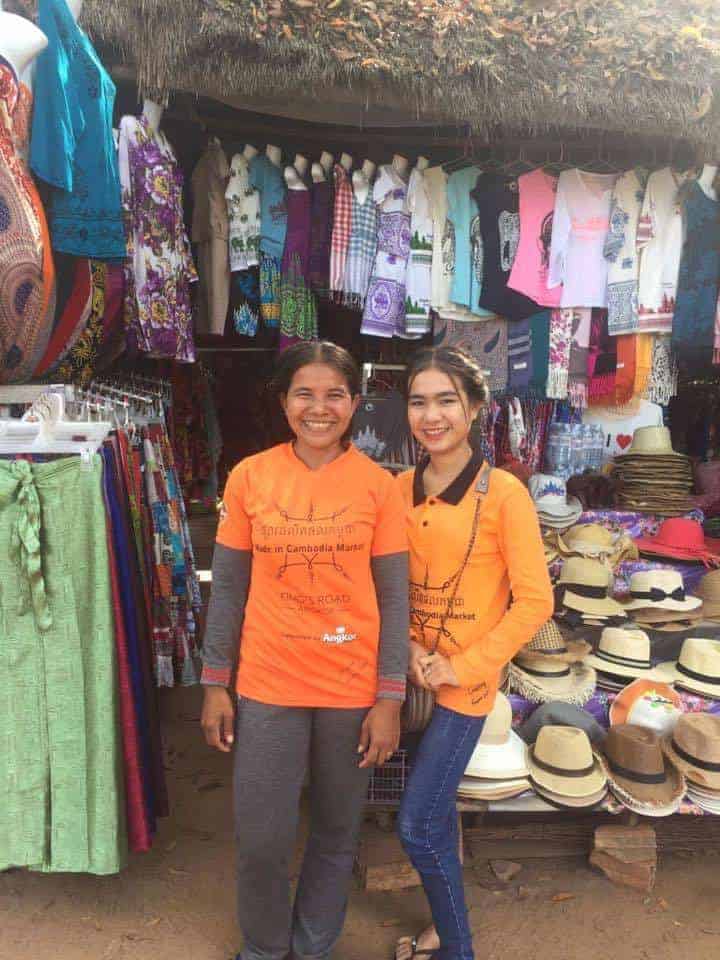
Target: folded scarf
{"type": "Point", "coordinates": [578, 367]}
{"type": "Point", "coordinates": [643, 362]}
{"type": "Point", "coordinates": [539, 352]}
{"type": "Point", "coordinates": [625, 374]}
{"type": "Point", "coordinates": [519, 357]}
{"type": "Point", "coordinates": [602, 360]}
{"type": "Point", "coordinates": [559, 353]}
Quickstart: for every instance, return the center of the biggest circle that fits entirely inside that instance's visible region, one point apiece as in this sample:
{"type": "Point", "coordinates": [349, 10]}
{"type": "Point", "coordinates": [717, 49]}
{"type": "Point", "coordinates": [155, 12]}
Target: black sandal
{"type": "Point", "coordinates": [414, 952]}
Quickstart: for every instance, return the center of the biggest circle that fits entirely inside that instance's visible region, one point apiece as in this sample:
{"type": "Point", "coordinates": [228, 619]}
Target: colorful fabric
{"type": "Point", "coordinates": [342, 224]}
{"type": "Point", "coordinates": [578, 366]}
{"type": "Point", "coordinates": [243, 214]}
{"type": "Point", "coordinates": [602, 360]}
{"type": "Point", "coordinates": [72, 146]}
{"type": "Point", "coordinates": [321, 224]}
{"type": "Point", "coordinates": [485, 340]}
{"type": "Point", "coordinates": [519, 357]}
{"type": "Point", "coordinates": [643, 362]}
{"type": "Point", "coordinates": [664, 373]}
{"type": "Point", "coordinates": [529, 272]}
{"type": "Point", "coordinates": [159, 268]}
{"type": "Point", "coordinates": [559, 353]}
{"type": "Point", "coordinates": [622, 254]}
{"type": "Point", "coordinates": [540, 345]}
{"type": "Point", "coordinates": [462, 250]}
{"type": "Point", "coordinates": [245, 301]}
{"type": "Point", "coordinates": [60, 757]}
{"type": "Point", "coordinates": [298, 310]}
{"type": "Point", "coordinates": [76, 311]}
{"type": "Point", "coordinates": [417, 282]}
{"type": "Point", "coordinates": [270, 290]}
{"type": "Point", "coordinates": [26, 271]}
{"type": "Point", "coordinates": [659, 241]}
{"type": "Point", "coordinates": [693, 331]}
{"type": "Point", "coordinates": [625, 372]}
{"type": "Point", "coordinates": [268, 180]}
{"type": "Point", "coordinates": [309, 635]}
{"type": "Point", "coordinates": [79, 363]}
{"type": "Point", "coordinates": [580, 227]}
{"type": "Point", "coordinates": [361, 250]}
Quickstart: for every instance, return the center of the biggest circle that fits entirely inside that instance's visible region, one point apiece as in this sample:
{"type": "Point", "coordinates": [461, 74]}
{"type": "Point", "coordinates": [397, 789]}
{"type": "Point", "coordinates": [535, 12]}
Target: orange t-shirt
{"type": "Point", "coordinates": [476, 628]}
{"type": "Point", "coordinates": [311, 629]}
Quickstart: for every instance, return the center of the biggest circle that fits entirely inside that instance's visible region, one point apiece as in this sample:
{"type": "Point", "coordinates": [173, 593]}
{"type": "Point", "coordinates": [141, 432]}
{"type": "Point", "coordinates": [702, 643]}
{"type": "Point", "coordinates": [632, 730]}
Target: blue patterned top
{"type": "Point", "coordinates": [72, 145]}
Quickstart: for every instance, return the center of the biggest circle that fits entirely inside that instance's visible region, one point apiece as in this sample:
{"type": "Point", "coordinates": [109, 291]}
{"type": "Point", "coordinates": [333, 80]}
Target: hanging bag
{"type": "Point", "coordinates": [419, 701]}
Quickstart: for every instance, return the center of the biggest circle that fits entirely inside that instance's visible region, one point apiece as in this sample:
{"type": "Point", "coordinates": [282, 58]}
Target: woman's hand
{"type": "Point", "coordinates": [218, 718]}
{"type": "Point", "coordinates": [380, 733]}
{"type": "Point", "coordinates": [437, 671]}
{"type": "Point", "coordinates": [415, 670]}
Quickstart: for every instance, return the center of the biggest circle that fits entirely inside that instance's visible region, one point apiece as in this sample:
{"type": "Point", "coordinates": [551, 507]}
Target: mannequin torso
{"type": "Point", "coordinates": [361, 186]}
{"type": "Point", "coordinates": [707, 180]}
{"type": "Point", "coordinates": [400, 165]}
{"type": "Point", "coordinates": [317, 172]}
{"type": "Point", "coordinates": [249, 151]}
{"type": "Point", "coordinates": [152, 112]}
{"type": "Point", "coordinates": [346, 161]}
{"type": "Point", "coordinates": [368, 169]}
{"type": "Point", "coordinates": [21, 41]}
{"type": "Point", "coordinates": [274, 154]}
{"type": "Point", "coordinates": [327, 161]}
{"type": "Point", "coordinates": [422, 164]}
{"type": "Point", "coordinates": [293, 179]}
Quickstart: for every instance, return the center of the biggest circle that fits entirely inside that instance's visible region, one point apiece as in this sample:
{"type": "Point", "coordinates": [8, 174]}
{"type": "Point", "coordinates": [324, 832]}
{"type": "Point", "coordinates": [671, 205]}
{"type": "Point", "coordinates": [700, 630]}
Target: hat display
{"type": "Point", "coordinates": [694, 747]}
{"type": "Point", "coordinates": [647, 703]}
{"type": "Point", "coordinates": [640, 775]}
{"type": "Point", "coordinates": [585, 586]}
{"type": "Point", "coordinates": [594, 540]}
{"type": "Point", "coordinates": [709, 592]}
{"type": "Point", "coordinates": [681, 538]}
{"type": "Point", "coordinates": [563, 766]}
{"type": "Point", "coordinates": [542, 681]}
{"type": "Point", "coordinates": [622, 652]}
{"type": "Point", "coordinates": [659, 590]}
{"type": "Point", "coordinates": [549, 642]}
{"type": "Point", "coordinates": [652, 477]}
{"type": "Point", "coordinates": [553, 506]}
{"type": "Point", "coordinates": [697, 668]}
{"type": "Point", "coordinates": [500, 754]}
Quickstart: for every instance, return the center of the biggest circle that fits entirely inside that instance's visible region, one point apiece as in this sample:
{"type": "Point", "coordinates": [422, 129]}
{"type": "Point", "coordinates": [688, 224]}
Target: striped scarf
{"type": "Point", "coordinates": [361, 251]}
{"type": "Point", "coordinates": [342, 220]}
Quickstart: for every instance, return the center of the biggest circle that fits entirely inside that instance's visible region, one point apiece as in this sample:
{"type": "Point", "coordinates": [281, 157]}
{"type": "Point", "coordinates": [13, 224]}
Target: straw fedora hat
{"type": "Point", "coordinates": [697, 668]}
{"type": "Point", "coordinates": [647, 703]}
{"type": "Point", "coordinates": [594, 540]}
{"type": "Point", "coordinates": [653, 616]}
{"type": "Point", "coordinates": [476, 789]}
{"type": "Point", "coordinates": [560, 802]}
{"type": "Point", "coordinates": [562, 762]}
{"type": "Point", "coordinates": [659, 590]}
{"type": "Point", "coordinates": [694, 747]}
{"type": "Point", "coordinates": [706, 800]}
{"type": "Point", "coordinates": [586, 586]}
{"type": "Point", "coordinates": [549, 642]}
{"type": "Point", "coordinates": [639, 773]}
{"type": "Point", "coordinates": [547, 680]}
{"type": "Point", "coordinates": [681, 538]}
{"type": "Point", "coordinates": [709, 592]}
{"type": "Point", "coordinates": [499, 754]}
{"type": "Point", "coordinates": [622, 652]}
{"type": "Point", "coordinates": [650, 442]}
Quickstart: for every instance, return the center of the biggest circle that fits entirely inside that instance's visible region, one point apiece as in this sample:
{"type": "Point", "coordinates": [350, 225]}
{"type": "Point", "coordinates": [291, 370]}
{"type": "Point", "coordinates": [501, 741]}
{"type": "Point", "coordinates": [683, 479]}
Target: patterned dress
{"type": "Point", "coordinates": [159, 268]}
{"type": "Point", "coordinates": [26, 273]}
{"type": "Point", "coordinates": [298, 310]}
{"type": "Point", "coordinates": [384, 314]}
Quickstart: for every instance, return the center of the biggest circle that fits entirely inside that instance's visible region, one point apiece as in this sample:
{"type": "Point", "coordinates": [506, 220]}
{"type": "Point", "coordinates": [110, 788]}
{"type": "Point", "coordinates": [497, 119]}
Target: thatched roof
{"type": "Point", "coordinates": [651, 67]}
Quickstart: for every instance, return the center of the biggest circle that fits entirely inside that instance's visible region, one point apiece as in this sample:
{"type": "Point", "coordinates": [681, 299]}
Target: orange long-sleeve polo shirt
{"type": "Point", "coordinates": [483, 629]}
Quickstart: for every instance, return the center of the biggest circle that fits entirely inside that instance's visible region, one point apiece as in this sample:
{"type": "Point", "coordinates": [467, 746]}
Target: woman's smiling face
{"type": "Point", "coordinates": [439, 411]}
{"type": "Point", "coordinates": [319, 406]}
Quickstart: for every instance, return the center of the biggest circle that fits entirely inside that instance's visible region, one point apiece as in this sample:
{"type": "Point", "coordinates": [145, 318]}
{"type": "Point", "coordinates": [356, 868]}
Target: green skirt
{"type": "Point", "coordinates": [62, 802]}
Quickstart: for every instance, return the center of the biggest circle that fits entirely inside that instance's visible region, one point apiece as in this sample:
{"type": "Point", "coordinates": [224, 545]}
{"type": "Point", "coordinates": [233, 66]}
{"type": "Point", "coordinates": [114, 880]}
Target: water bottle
{"type": "Point", "coordinates": [576, 449]}
{"type": "Point", "coordinates": [598, 447]}
{"type": "Point", "coordinates": [562, 452]}
{"type": "Point", "coordinates": [588, 447]}
{"type": "Point", "coordinates": [551, 452]}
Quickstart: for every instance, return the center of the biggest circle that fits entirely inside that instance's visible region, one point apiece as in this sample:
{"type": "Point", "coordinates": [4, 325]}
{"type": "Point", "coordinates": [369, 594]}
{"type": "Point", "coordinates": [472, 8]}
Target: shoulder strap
{"type": "Point", "coordinates": [482, 483]}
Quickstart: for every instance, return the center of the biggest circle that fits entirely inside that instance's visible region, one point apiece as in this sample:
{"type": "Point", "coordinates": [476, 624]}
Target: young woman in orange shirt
{"type": "Point", "coordinates": [479, 590]}
{"type": "Point", "coordinates": [310, 603]}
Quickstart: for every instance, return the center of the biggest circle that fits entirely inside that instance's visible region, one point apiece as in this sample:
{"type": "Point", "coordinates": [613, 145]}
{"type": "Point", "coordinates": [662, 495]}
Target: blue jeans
{"type": "Point", "coordinates": [428, 824]}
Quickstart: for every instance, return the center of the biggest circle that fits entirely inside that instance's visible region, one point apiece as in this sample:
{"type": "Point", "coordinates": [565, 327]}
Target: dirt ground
{"type": "Point", "coordinates": [178, 900]}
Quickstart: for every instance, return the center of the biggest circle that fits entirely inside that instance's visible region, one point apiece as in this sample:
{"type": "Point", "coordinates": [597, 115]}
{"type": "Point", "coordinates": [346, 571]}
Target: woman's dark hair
{"type": "Point", "coordinates": [462, 369]}
{"type": "Point", "coordinates": [316, 351]}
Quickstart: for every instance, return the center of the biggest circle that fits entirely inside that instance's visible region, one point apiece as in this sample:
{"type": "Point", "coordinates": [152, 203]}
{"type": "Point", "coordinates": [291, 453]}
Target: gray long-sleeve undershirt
{"type": "Point", "coordinates": [231, 572]}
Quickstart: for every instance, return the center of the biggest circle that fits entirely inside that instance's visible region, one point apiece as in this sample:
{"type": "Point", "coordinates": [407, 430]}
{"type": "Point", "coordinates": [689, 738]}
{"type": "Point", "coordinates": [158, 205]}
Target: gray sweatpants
{"type": "Point", "coordinates": [274, 748]}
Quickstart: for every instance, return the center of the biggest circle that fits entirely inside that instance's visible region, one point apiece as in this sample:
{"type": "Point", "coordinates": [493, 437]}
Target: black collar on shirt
{"type": "Point", "coordinates": [453, 493]}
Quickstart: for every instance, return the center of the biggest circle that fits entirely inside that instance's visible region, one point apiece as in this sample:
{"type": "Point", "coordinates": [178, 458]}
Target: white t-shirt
{"type": "Point", "coordinates": [619, 424]}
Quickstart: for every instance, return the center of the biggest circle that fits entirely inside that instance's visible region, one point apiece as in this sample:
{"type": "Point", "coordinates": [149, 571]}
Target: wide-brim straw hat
{"type": "Point", "coordinates": [542, 682]}
{"type": "Point", "coordinates": [639, 773]}
{"type": "Point", "coordinates": [708, 804]}
{"type": "Point", "coordinates": [560, 802]}
{"type": "Point", "coordinates": [476, 789]}
{"type": "Point", "coordinates": [659, 590]}
{"type": "Point", "coordinates": [647, 703]}
{"type": "Point", "coordinates": [549, 494]}
{"type": "Point", "coordinates": [709, 592]}
{"type": "Point", "coordinates": [650, 442]}
{"type": "Point", "coordinates": [697, 669]}
{"type": "Point", "coordinates": [694, 747]}
{"type": "Point", "coordinates": [622, 652]}
{"type": "Point", "coordinates": [681, 538]}
{"type": "Point", "coordinates": [559, 523]}
{"type": "Point", "coordinates": [562, 762]}
{"type": "Point", "coordinates": [549, 642]}
{"type": "Point", "coordinates": [655, 615]}
{"type": "Point", "coordinates": [584, 585]}
{"type": "Point", "coordinates": [499, 754]}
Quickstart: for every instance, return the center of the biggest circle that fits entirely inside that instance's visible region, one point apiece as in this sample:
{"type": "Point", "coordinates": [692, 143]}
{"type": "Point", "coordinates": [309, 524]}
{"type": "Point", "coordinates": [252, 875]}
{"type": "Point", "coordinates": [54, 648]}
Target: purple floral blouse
{"type": "Point", "coordinates": [159, 268]}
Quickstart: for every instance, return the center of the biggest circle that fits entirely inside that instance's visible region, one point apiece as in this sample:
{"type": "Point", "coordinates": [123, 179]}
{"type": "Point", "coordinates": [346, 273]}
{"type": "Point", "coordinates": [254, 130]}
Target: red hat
{"type": "Point", "coordinates": [682, 539]}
